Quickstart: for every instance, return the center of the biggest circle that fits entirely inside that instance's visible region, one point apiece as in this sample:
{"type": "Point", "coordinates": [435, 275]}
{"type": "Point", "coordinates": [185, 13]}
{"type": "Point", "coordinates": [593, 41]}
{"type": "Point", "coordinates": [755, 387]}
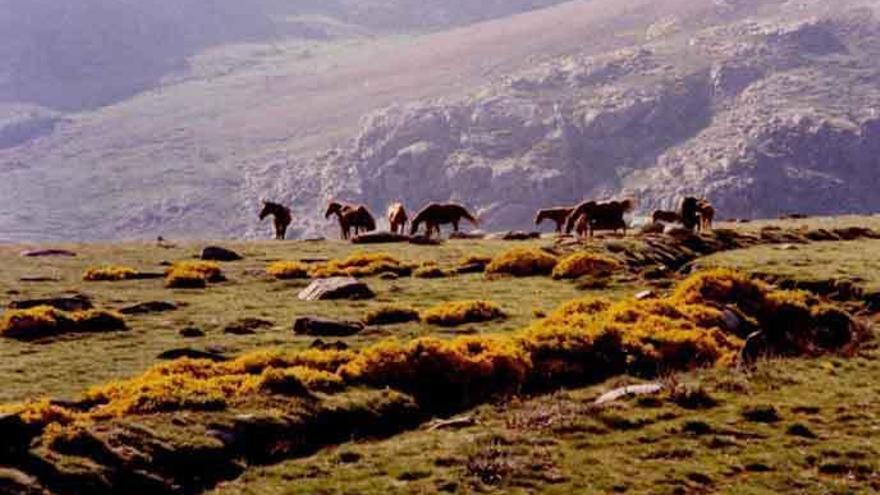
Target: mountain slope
{"type": "Point", "coordinates": [586, 98]}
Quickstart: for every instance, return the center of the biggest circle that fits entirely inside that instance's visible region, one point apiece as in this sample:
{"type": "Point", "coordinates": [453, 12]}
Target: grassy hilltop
{"type": "Point", "coordinates": [519, 389]}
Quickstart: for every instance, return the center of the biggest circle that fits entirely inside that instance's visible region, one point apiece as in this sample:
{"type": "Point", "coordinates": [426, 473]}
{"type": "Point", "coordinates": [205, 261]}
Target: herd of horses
{"type": "Point", "coordinates": [584, 219]}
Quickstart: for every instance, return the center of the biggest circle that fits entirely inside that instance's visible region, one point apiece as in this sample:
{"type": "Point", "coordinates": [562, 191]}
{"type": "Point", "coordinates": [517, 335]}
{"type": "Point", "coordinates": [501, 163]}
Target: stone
{"type": "Point", "coordinates": [421, 240]}
{"type": "Point", "coordinates": [247, 326]}
{"type": "Point", "coordinates": [79, 302]}
{"type": "Point", "coordinates": [13, 481]}
{"type": "Point", "coordinates": [379, 238]}
{"type": "Point", "coordinates": [16, 435]}
{"type": "Point", "coordinates": [326, 328]}
{"type": "Point", "coordinates": [337, 345]}
{"type": "Point", "coordinates": [475, 235]}
{"type": "Point", "coordinates": [41, 253]}
{"type": "Point", "coordinates": [149, 307]}
{"type": "Point", "coordinates": [336, 288]}
{"type": "Point", "coordinates": [629, 391]}
{"type": "Point", "coordinates": [217, 253]}
{"type": "Point", "coordinates": [191, 332]}
{"type": "Point", "coordinates": [173, 354]}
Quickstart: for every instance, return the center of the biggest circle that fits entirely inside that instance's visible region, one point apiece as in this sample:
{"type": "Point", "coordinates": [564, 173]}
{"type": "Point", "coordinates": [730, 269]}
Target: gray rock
{"type": "Point", "coordinates": [379, 238]}
{"type": "Point", "coordinates": [191, 332]}
{"type": "Point", "coordinates": [247, 326]}
{"type": "Point", "coordinates": [43, 253]}
{"type": "Point", "coordinates": [326, 328]}
{"type": "Point", "coordinates": [79, 302]}
{"type": "Point", "coordinates": [173, 354]}
{"type": "Point", "coordinates": [149, 307]}
{"type": "Point", "coordinates": [217, 253]}
{"type": "Point", "coordinates": [336, 288]}
{"type": "Point", "coordinates": [629, 391]}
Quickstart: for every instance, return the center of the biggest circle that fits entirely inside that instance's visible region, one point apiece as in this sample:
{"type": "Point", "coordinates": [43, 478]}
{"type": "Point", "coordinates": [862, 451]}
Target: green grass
{"type": "Point", "coordinates": [560, 443]}
{"type": "Point", "coordinates": [64, 368]}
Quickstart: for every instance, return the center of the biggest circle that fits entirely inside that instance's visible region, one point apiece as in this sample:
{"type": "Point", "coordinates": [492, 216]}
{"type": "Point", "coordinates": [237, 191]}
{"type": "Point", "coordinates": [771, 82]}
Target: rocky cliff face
{"type": "Point", "coordinates": [764, 116]}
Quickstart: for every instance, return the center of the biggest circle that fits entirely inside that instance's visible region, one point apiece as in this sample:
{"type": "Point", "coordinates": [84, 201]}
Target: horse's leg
{"type": "Point", "coordinates": [455, 225]}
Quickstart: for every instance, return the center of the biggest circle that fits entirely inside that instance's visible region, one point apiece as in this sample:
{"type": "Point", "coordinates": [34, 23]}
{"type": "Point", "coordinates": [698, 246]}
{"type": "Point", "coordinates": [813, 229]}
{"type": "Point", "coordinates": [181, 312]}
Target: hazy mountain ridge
{"type": "Point", "coordinates": [765, 106]}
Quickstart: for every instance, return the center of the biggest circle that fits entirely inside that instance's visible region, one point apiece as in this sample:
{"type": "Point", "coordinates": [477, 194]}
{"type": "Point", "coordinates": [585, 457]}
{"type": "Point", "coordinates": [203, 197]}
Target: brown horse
{"type": "Point", "coordinates": [600, 216]}
{"type": "Point", "coordinates": [355, 217]}
{"type": "Point", "coordinates": [397, 218]}
{"type": "Point", "coordinates": [666, 216]}
{"type": "Point", "coordinates": [557, 215]}
{"type": "Point", "coordinates": [697, 213]}
{"type": "Point", "coordinates": [436, 214]}
{"type": "Point", "coordinates": [282, 217]}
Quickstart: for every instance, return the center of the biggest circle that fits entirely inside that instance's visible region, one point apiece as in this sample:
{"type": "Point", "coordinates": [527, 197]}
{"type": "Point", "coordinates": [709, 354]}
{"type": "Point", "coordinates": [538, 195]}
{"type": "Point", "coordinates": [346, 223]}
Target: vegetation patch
{"type": "Point", "coordinates": [288, 270]}
{"type": "Point", "coordinates": [362, 265]}
{"type": "Point", "coordinates": [585, 264]}
{"type": "Point", "coordinates": [109, 273]}
{"type": "Point", "coordinates": [193, 274]}
{"type": "Point", "coordinates": [429, 270]}
{"type": "Point", "coordinates": [462, 312]}
{"type": "Point", "coordinates": [46, 321]}
{"type": "Point", "coordinates": [522, 262]}
{"type": "Point", "coordinates": [391, 315]}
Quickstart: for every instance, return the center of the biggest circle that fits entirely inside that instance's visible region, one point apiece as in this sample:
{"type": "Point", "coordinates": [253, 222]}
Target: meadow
{"type": "Point", "coordinates": [371, 412]}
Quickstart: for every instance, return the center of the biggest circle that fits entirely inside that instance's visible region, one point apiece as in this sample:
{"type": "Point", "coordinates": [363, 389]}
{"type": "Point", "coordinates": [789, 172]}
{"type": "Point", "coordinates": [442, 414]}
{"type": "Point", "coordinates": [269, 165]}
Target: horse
{"type": "Point", "coordinates": [557, 214]}
{"type": "Point", "coordinates": [600, 216]}
{"type": "Point", "coordinates": [357, 217]}
{"type": "Point", "coordinates": [697, 213]}
{"type": "Point", "coordinates": [397, 218]}
{"type": "Point", "coordinates": [666, 216]}
{"type": "Point", "coordinates": [436, 214]}
{"type": "Point", "coordinates": [282, 217]}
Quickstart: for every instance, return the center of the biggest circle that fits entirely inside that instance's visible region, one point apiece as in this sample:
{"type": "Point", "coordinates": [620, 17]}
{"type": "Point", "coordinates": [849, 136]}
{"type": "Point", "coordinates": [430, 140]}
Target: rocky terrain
{"type": "Point", "coordinates": [766, 107]}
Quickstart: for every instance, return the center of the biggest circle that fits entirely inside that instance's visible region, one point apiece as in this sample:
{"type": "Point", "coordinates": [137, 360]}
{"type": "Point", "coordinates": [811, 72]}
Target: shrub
{"type": "Point", "coordinates": [299, 380]}
{"type": "Point", "coordinates": [286, 270]}
{"type": "Point", "coordinates": [443, 373]}
{"type": "Point", "coordinates": [585, 264]}
{"type": "Point", "coordinates": [193, 274]}
{"type": "Point", "coordinates": [522, 262]}
{"type": "Point", "coordinates": [109, 273]}
{"type": "Point", "coordinates": [391, 315]}
{"type": "Point", "coordinates": [362, 265]}
{"type": "Point", "coordinates": [429, 271]}
{"type": "Point", "coordinates": [461, 312]}
{"type": "Point", "coordinates": [46, 321]}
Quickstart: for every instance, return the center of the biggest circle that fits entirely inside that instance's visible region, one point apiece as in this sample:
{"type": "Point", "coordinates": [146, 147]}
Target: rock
{"type": "Point", "coordinates": [787, 247]}
{"type": "Point", "coordinates": [471, 268]}
{"type": "Point", "coordinates": [16, 435]}
{"type": "Point", "coordinates": [756, 345]}
{"type": "Point", "coordinates": [421, 240]}
{"type": "Point", "coordinates": [173, 354]}
{"type": "Point", "coordinates": [79, 302]}
{"type": "Point", "coordinates": [515, 235]}
{"type": "Point", "coordinates": [646, 294]}
{"type": "Point", "coordinates": [40, 253]}
{"type": "Point", "coordinates": [217, 253]}
{"type": "Point", "coordinates": [336, 288]}
{"type": "Point", "coordinates": [326, 328]}
{"type": "Point", "coordinates": [379, 238]}
{"type": "Point", "coordinates": [247, 326]}
{"type": "Point", "coordinates": [628, 391]}
{"type": "Point", "coordinates": [653, 228]}
{"type": "Point", "coordinates": [39, 278]}
{"type": "Point", "coordinates": [475, 235]}
{"type": "Point", "coordinates": [191, 332]}
{"type": "Point", "coordinates": [15, 482]}
{"type": "Point", "coordinates": [148, 307]}
{"type": "Point", "coordinates": [452, 423]}
{"type": "Point", "coordinates": [328, 346]}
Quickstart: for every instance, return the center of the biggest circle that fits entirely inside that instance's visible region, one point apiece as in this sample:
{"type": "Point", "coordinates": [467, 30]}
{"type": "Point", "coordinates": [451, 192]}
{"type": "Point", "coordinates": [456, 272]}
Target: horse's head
{"type": "Point", "coordinates": [267, 210]}
{"type": "Point", "coordinates": [333, 209]}
{"type": "Point", "coordinates": [540, 217]}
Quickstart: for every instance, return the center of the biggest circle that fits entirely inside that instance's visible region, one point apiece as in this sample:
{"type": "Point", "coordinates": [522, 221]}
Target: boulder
{"type": "Point", "coordinates": [653, 228]}
{"type": "Point", "coordinates": [79, 302]}
{"type": "Point", "coordinates": [41, 253]}
{"type": "Point", "coordinates": [247, 326]}
{"type": "Point", "coordinates": [181, 353]}
{"type": "Point", "coordinates": [13, 481]}
{"type": "Point", "coordinates": [326, 328]}
{"type": "Point", "coordinates": [16, 435]}
{"type": "Point", "coordinates": [337, 345]}
{"type": "Point", "coordinates": [475, 235]}
{"type": "Point", "coordinates": [217, 253]}
{"type": "Point", "coordinates": [421, 240]}
{"type": "Point", "coordinates": [336, 288]}
{"type": "Point", "coordinates": [379, 238]}
{"type": "Point", "coordinates": [148, 307]}
{"type": "Point", "coordinates": [515, 235]}
{"type": "Point", "coordinates": [628, 391]}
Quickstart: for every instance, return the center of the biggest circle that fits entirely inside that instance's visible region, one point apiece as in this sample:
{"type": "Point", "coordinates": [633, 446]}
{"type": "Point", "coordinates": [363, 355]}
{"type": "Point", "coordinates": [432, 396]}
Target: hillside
{"type": "Point", "coordinates": [738, 100]}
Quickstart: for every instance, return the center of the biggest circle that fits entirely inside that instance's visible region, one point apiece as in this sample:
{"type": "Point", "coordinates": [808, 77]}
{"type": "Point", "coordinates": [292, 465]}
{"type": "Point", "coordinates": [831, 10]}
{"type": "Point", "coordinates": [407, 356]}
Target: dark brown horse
{"type": "Point", "coordinates": [666, 216]}
{"type": "Point", "coordinates": [355, 217]}
{"type": "Point", "coordinates": [397, 218]}
{"type": "Point", "coordinates": [600, 216]}
{"type": "Point", "coordinates": [697, 213]}
{"type": "Point", "coordinates": [558, 215]}
{"type": "Point", "coordinates": [282, 217]}
{"type": "Point", "coordinates": [436, 214]}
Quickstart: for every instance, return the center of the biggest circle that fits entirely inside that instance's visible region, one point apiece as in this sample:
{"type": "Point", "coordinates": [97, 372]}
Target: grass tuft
{"type": "Point", "coordinates": [193, 274]}
{"type": "Point", "coordinates": [109, 273]}
{"type": "Point", "coordinates": [288, 270]}
{"type": "Point", "coordinates": [585, 264]}
{"type": "Point", "coordinates": [522, 262]}
{"type": "Point", "coordinates": [462, 312]}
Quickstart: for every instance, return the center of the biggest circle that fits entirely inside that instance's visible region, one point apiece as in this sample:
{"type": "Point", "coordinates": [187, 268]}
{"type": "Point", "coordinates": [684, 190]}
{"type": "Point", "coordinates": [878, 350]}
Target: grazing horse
{"type": "Point", "coordinates": [697, 214]}
{"type": "Point", "coordinates": [557, 215]}
{"type": "Point", "coordinates": [600, 216]}
{"type": "Point", "coordinates": [357, 217]}
{"type": "Point", "coordinates": [666, 216]}
{"type": "Point", "coordinates": [282, 217]}
{"type": "Point", "coordinates": [436, 214]}
{"type": "Point", "coordinates": [397, 218]}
